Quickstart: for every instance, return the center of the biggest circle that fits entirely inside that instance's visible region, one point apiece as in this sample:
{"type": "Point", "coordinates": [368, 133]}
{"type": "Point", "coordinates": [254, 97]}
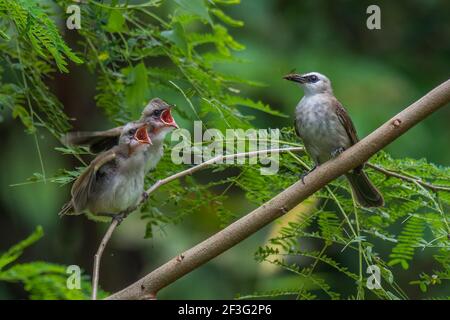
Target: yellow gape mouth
{"type": "Point", "coordinates": [141, 135]}
{"type": "Point", "coordinates": [167, 119]}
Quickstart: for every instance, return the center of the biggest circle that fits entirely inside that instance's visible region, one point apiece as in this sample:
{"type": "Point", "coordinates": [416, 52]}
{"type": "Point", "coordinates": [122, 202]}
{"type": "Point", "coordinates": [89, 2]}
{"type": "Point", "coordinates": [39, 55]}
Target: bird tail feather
{"type": "Point", "coordinates": [366, 194]}
{"type": "Point", "coordinates": [68, 209]}
{"type": "Point", "coordinates": [97, 141]}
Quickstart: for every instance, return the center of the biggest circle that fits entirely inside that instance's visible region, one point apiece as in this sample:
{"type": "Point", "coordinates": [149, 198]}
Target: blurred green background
{"type": "Point", "coordinates": [375, 73]}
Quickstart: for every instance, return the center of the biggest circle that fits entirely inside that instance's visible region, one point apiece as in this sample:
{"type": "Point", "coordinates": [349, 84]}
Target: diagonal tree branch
{"type": "Point", "coordinates": [286, 200]}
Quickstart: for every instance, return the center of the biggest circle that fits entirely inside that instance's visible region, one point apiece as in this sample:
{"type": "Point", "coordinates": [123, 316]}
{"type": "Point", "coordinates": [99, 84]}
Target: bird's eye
{"type": "Point", "coordinates": [157, 113]}
{"type": "Point", "coordinates": [132, 131]}
{"type": "Point", "coordinates": [314, 78]}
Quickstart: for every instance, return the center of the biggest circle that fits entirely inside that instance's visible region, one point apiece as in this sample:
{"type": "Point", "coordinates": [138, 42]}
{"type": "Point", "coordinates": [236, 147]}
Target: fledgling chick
{"type": "Point", "coordinates": [113, 183]}
{"type": "Point", "coordinates": [157, 115]}
{"type": "Point", "coordinates": [326, 130]}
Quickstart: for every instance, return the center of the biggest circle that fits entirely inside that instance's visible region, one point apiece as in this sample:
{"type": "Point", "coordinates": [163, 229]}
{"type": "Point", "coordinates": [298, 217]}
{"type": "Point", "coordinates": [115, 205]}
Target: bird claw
{"type": "Point", "coordinates": [303, 175]}
{"type": "Point", "coordinates": [337, 152]}
{"type": "Point", "coordinates": [119, 217]}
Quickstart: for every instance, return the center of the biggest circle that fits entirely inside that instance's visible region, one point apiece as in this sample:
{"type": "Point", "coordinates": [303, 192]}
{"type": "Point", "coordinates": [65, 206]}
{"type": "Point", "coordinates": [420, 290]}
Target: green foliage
{"type": "Point", "coordinates": [16, 251]}
{"type": "Point", "coordinates": [42, 280]}
{"type": "Point", "coordinates": [33, 23]}
{"type": "Point", "coordinates": [138, 52]}
{"type": "Point", "coordinates": [31, 47]}
{"type": "Point", "coordinates": [407, 242]}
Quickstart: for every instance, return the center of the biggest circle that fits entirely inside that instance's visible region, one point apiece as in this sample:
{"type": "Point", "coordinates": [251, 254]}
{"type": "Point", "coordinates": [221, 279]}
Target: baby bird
{"type": "Point", "coordinates": [157, 115]}
{"type": "Point", "coordinates": [113, 183]}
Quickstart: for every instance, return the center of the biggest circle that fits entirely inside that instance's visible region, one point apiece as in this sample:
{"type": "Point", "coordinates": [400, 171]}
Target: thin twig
{"type": "Point", "coordinates": [214, 160]}
{"type": "Point", "coordinates": [409, 179]}
{"type": "Point", "coordinates": [98, 256]}
{"type": "Point", "coordinates": [159, 183]}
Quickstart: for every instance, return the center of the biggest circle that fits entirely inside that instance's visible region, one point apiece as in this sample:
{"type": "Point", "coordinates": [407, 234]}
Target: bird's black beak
{"type": "Point", "coordinates": [295, 77]}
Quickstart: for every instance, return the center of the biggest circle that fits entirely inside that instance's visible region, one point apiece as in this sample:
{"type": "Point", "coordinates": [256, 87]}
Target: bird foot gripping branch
{"type": "Point", "coordinates": [120, 217]}
{"type": "Point", "coordinates": [304, 174]}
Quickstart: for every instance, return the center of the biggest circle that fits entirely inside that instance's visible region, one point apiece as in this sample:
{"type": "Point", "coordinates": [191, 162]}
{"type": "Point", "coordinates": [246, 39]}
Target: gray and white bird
{"type": "Point", "coordinates": [327, 130]}
{"type": "Point", "coordinates": [113, 183]}
{"type": "Point", "coordinates": [157, 115]}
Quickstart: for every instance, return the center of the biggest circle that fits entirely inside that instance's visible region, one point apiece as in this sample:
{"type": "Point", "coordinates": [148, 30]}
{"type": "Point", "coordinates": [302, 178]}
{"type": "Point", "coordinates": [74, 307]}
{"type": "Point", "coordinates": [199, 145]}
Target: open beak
{"type": "Point", "coordinates": [295, 77]}
{"type": "Point", "coordinates": [167, 119]}
{"type": "Point", "coordinates": [141, 135]}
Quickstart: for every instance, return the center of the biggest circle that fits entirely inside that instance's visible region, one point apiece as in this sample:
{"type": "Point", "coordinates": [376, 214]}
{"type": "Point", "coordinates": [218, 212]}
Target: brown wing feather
{"type": "Point", "coordinates": [296, 128]}
{"type": "Point", "coordinates": [97, 141]}
{"type": "Point", "coordinates": [82, 186]}
{"type": "Point", "coordinates": [346, 121]}
{"type": "Point", "coordinates": [66, 209]}
{"type": "Point", "coordinates": [103, 144]}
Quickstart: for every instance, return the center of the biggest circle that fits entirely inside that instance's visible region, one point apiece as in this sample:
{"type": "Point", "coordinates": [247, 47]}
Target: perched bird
{"type": "Point", "coordinates": [113, 183]}
{"type": "Point", "coordinates": [157, 115]}
{"type": "Point", "coordinates": [327, 130]}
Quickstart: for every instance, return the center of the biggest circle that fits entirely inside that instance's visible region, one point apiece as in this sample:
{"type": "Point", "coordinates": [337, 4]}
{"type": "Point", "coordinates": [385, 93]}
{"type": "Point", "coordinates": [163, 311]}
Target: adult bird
{"type": "Point", "coordinates": [327, 130]}
{"type": "Point", "coordinates": [157, 115]}
{"type": "Point", "coordinates": [113, 183]}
